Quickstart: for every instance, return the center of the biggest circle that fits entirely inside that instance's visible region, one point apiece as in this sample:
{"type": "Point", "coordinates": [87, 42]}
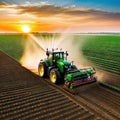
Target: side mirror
{"type": "Point", "coordinates": [47, 53]}
{"type": "Point", "coordinates": [66, 53]}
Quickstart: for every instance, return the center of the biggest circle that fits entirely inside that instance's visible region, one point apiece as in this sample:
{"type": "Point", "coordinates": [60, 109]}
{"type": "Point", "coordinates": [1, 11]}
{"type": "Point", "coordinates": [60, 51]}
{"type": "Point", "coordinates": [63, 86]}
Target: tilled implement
{"type": "Point", "coordinates": [79, 77]}
{"type": "Point", "coordinates": [59, 70]}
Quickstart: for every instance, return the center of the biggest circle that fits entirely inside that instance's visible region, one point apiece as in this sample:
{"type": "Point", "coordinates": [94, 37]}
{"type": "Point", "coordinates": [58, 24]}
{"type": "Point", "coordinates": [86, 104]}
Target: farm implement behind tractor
{"type": "Point", "coordinates": [59, 70]}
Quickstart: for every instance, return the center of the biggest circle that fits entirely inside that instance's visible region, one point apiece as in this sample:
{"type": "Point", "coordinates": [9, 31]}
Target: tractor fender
{"type": "Point", "coordinates": [45, 61]}
{"type": "Point", "coordinates": [50, 68]}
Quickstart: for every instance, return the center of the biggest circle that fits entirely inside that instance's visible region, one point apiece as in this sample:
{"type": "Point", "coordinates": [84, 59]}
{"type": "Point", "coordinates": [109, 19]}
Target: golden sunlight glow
{"type": "Point", "coordinates": [25, 28]}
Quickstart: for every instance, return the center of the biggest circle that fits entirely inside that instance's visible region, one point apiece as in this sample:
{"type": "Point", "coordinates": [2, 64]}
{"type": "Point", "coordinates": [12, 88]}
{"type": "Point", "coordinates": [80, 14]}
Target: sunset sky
{"type": "Point", "coordinates": [60, 15]}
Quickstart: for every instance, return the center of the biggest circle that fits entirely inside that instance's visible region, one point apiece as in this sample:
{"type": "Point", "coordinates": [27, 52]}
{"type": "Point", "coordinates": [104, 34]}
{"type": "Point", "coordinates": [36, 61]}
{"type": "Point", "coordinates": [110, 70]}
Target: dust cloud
{"type": "Point", "coordinates": [100, 75]}
{"type": "Point", "coordinates": [74, 47]}
{"type": "Point", "coordinates": [32, 54]}
{"type": "Point", "coordinates": [35, 47]}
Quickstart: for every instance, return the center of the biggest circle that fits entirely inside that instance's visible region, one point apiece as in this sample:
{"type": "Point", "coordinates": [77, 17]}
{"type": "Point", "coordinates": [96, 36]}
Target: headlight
{"type": "Point", "coordinates": [66, 67]}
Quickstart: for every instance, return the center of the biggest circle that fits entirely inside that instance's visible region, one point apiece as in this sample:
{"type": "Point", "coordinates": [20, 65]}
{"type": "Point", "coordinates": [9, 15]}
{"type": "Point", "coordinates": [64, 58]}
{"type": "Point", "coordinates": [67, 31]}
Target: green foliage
{"type": "Point", "coordinates": [110, 86]}
{"type": "Point", "coordinates": [12, 45]}
{"type": "Point", "coordinates": [104, 52]}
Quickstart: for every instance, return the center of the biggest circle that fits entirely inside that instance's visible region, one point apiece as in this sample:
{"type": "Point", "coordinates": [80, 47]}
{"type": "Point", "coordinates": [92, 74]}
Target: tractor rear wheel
{"type": "Point", "coordinates": [55, 76]}
{"type": "Point", "coordinates": [42, 69]}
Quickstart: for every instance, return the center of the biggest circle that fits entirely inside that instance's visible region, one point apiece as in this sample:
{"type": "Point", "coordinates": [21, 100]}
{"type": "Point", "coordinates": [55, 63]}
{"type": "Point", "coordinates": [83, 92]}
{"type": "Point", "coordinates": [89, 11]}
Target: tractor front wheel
{"type": "Point", "coordinates": [55, 76]}
{"type": "Point", "coordinates": [42, 69]}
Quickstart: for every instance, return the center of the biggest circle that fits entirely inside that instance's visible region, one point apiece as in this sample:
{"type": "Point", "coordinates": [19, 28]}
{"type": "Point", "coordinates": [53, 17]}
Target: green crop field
{"type": "Point", "coordinates": [12, 45]}
{"type": "Point", "coordinates": [104, 52]}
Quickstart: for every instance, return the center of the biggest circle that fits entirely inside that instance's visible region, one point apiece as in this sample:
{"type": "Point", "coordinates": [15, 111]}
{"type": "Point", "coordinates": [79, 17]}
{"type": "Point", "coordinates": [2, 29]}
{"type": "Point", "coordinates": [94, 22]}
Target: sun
{"type": "Point", "coordinates": [25, 28]}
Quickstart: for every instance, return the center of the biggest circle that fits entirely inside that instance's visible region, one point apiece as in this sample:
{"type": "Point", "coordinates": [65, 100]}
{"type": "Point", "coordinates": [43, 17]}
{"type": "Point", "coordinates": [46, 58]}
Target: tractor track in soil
{"type": "Point", "coordinates": [23, 95]}
{"type": "Point", "coordinates": [102, 102]}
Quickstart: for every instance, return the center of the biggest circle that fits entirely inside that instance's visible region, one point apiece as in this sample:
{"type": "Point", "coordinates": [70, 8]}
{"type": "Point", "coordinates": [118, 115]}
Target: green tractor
{"type": "Point", "coordinates": [59, 70]}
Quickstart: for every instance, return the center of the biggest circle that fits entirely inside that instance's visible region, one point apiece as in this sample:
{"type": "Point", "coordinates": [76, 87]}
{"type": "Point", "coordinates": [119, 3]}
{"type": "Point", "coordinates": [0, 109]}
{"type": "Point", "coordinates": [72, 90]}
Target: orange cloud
{"type": "Point", "coordinates": [46, 17]}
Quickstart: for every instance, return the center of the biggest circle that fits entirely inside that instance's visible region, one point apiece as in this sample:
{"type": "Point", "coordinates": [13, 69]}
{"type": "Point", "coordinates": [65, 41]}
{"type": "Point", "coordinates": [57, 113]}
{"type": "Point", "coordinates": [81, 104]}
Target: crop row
{"type": "Point", "coordinates": [103, 51]}
{"type": "Point", "coordinates": [111, 56]}
{"type": "Point", "coordinates": [105, 65]}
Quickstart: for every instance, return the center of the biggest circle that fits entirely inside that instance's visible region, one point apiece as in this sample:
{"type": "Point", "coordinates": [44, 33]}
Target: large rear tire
{"type": "Point", "coordinates": [42, 69]}
{"type": "Point", "coordinates": [55, 76]}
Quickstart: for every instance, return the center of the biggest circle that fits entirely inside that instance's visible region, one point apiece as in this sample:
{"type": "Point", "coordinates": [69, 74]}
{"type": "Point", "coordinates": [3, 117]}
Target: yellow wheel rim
{"type": "Point", "coordinates": [41, 70]}
{"type": "Point", "coordinates": [53, 77]}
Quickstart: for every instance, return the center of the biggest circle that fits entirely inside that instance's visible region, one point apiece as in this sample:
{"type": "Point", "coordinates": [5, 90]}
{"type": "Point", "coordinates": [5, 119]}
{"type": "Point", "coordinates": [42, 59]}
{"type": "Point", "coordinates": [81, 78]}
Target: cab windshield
{"type": "Point", "coordinates": [59, 55]}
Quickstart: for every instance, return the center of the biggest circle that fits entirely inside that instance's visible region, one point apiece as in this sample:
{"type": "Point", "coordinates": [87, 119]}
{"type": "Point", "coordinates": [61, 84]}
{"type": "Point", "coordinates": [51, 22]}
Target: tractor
{"type": "Point", "coordinates": [59, 70]}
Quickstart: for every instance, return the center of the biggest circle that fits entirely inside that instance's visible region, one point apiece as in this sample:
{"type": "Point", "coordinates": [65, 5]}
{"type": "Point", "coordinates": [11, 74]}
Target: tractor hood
{"type": "Point", "coordinates": [62, 65]}
{"type": "Point", "coordinates": [63, 62]}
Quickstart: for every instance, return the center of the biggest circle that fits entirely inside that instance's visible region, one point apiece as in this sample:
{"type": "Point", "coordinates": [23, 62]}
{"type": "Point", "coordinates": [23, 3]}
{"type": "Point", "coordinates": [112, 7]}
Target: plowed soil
{"type": "Point", "coordinates": [24, 95]}
{"type": "Point", "coordinates": [101, 101]}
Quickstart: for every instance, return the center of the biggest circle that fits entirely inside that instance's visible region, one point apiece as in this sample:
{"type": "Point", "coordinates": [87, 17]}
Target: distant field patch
{"type": "Point", "coordinates": [103, 51]}
{"type": "Point", "coordinates": [12, 44]}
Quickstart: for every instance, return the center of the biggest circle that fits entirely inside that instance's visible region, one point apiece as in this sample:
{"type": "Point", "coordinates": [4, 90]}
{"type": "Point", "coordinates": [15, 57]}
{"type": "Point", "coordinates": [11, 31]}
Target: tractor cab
{"type": "Point", "coordinates": [58, 55]}
{"type": "Point", "coordinates": [53, 56]}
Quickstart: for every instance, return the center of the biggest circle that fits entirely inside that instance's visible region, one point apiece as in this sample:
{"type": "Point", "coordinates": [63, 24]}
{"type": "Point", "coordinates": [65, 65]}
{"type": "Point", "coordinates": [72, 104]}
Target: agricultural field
{"type": "Point", "coordinates": [12, 45]}
{"type": "Point", "coordinates": [104, 52]}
